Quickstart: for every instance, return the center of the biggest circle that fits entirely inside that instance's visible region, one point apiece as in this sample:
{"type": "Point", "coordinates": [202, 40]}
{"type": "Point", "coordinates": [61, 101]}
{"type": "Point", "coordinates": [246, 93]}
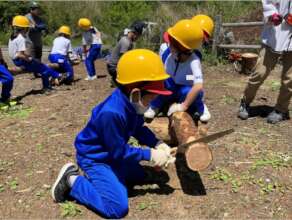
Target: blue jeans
{"type": "Point", "coordinates": [103, 188]}
{"type": "Point", "coordinates": [179, 94]}
{"type": "Point", "coordinates": [7, 83]}
{"type": "Point", "coordinates": [38, 67]}
{"type": "Point", "coordinates": [93, 54]}
{"type": "Point", "coordinates": [64, 64]}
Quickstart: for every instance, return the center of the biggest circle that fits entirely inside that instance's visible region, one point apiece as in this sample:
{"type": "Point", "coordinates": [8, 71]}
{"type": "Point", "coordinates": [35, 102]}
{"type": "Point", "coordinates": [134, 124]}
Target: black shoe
{"type": "Point", "coordinates": [277, 116]}
{"type": "Point", "coordinates": [243, 112]}
{"type": "Point", "coordinates": [61, 187]}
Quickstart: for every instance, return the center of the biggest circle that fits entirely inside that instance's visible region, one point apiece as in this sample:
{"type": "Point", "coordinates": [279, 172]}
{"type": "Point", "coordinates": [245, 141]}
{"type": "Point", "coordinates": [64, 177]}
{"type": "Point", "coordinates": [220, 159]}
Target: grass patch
{"type": "Point", "coordinates": [69, 209]}
{"type": "Point", "coordinates": [17, 111]}
{"type": "Point", "coordinates": [228, 100]}
{"type": "Point", "coordinates": [146, 205]}
{"type": "Point", "coordinates": [275, 160]}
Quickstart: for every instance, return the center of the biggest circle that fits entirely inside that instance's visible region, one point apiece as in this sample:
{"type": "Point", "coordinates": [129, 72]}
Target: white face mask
{"type": "Point", "coordinates": [137, 104]}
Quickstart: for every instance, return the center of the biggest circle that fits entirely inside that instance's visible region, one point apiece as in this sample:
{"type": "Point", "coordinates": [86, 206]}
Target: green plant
{"type": "Point", "coordinates": [275, 160]}
{"type": "Point", "coordinates": [275, 85]}
{"type": "Point", "coordinates": [39, 147]}
{"type": "Point", "coordinates": [144, 205]}
{"type": "Point", "coordinates": [222, 175]}
{"type": "Point", "coordinates": [69, 209]}
{"type": "Point", "coordinates": [2, 188]}
{"type": "Point", "coordinates": [17, 111]}
{"type": "Point", "coordinates": [229, 100]}
{"type": "Point", "coordinates": [235, 185]}
{"type": "Point", "coordinates": [13, 184]}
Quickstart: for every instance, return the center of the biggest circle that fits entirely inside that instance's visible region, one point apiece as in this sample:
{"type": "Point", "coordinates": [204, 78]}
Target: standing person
{"type": "Point", "coordinates": [37, 26]}
{"type": "Point", "coordinates": [124, 44]}
{"type": "Point", "coordinates": [277, 43]}
{"type": "Point", "coordinates": [103, 153]}
{"type": "Point", "coordinates": [17, 52]}
{"type": "Point", "coordinates": [91, 41]}
{"type": "Point", "coordinates": [6, 79]}
{"type": "Point", "coordinates": [61, 50]}
{"type": "Point", "coordinates": [184, 66]}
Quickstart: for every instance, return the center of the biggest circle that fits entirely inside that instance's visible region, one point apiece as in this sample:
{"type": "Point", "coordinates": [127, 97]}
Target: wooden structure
{"type": "Point", "coordinates": [219, 27]}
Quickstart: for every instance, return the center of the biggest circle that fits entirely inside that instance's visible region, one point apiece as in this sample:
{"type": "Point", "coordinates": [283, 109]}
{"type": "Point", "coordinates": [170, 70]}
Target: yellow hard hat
{"type": "Point", "coordinates": [140, 65]}
{"type": "Point", "coordinates": [205, 22]}
{"type": "Point", "coordinates": [187, 33]}
{"type": "Point", "coordinates": [84, 23]}
{"type": "Point", "coordinates": [20, 21]}
{"type": "Point", "coordinates": [64, 30]}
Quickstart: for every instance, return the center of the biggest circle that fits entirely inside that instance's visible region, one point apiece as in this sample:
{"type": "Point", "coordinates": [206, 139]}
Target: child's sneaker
{"type": "Point", "coordinates": [89, 78]}
{"type": "Point", "coordinates": [205, 117]}
{"type": "Point", "coordinates": [61, 187]}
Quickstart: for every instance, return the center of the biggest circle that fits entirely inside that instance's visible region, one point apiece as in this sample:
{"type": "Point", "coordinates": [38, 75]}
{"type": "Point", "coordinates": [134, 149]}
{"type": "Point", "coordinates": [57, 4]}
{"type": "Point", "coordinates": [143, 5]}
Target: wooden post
{"type": "Point", "coordinates": [216, 38]}
{"type": "Point", "coordinates": [198, 155]}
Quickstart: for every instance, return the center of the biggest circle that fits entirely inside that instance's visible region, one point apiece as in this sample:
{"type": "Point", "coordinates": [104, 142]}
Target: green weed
{"type": "Point", "coordinates": [143, 205]}
{"type": "Point", "coordinates": [69, 209]}
{"type": "Point", "coordinates": [39, 147]}
{"type": "Point", "coordinates": [268, 186]}
{"type": "Point", "coordinates": [275, 85]}
{"type": "Point", "coordinates": [275, 160]}
{"type": "Point", "coordinates": [2, 188]}
{"type": "Point", "coordinates": [222, 175]}
{"type": "Point", "coordinates": [13, 184]}
{"type": "Point", "coordinates": [17, 111]}
{"type": "Point", "coordinates": [229, 100]}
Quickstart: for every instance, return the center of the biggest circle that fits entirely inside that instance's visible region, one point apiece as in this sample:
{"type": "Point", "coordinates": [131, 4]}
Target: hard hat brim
{"type": "Point", "coordinates": [156, 87]}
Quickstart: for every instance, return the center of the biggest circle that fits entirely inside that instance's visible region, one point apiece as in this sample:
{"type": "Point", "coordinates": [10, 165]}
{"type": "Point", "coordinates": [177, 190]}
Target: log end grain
{"type": "Point", "coordinates": [198, 156]}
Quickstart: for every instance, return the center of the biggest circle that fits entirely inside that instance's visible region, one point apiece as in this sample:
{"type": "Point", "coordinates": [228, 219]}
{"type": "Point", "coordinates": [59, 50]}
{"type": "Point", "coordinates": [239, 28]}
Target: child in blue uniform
{"type": "Point", "coordinates": [102, 149]}
{"type": "Point", "coordinates": [6, 79]}
{"type": "Point", "coordinates": [17, 52]}
{"type": "Point", "coordinates": [184, 66]}
{"type": "Point", "coordinates": [91, 38]}
{"type": "Point", "coordinates": [60, 53]}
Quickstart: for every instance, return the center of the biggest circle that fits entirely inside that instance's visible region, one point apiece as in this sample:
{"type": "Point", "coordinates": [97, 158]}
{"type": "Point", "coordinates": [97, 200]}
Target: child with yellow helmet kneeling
{"type": "Point", "coordinates": [18, 53]}
{"type": "Point", "coordinates": [102, 148]}
{"type": "Point", "coordinates": [184, 66]}
{"type": "Point", "coordinates": [61, 50]}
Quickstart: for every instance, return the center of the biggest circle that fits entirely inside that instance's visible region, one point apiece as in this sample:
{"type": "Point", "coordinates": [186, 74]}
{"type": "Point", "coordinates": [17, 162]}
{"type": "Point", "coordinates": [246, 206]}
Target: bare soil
{"type": "Point", "coordinates": [250, 176]}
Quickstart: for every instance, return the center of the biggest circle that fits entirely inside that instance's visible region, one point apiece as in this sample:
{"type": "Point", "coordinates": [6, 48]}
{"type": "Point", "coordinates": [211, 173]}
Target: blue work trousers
{"type": "Point", "coordinates": [93, 54]}
{"type": "Point", "coordinates": [7, 83]}
{"type": "Point", "coordinates": [179, 94]}
{"type": "Point", "coordinates": [35, 66]}
{"type": "Point", "coordinates": [64, 65]}
{"type": "Point", "coordinates": [103, 188]}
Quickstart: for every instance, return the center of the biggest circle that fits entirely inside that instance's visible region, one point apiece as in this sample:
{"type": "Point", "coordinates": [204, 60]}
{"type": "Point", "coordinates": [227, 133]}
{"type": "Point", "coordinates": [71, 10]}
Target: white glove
{"type": "Point", "coordinates": [176, 107]}
{"type": "Point", "coordinates": [163, 146]}
{"type": "Point", "coordinates": [159, 157]}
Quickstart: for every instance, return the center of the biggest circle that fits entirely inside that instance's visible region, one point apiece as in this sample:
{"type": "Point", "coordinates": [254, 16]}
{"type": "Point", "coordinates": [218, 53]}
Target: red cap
{"type": "Point", "coordinates": [156, 87]}
{"type": "Point", "coordinates": [166, 37]}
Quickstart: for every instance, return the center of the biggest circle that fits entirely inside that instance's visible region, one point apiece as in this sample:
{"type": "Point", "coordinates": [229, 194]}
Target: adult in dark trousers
{"type": "Point", "coordinates": [125, 43]}
{"type": "Point", "coordinates": [37, 26]}
{"type": "Point", "coordinates": [277, 43]}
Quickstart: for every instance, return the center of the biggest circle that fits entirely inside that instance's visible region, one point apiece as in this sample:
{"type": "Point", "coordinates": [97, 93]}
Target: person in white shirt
{"type": "Point", "coordinates": [17, 52]}
{"type": "Point", "coordinates": [61, 51]}
{"type": "Point", "coordinates": [277, 42]}
{"type": "Point", "coordinates": [184, 66]}
{"type": "Point", "coordinates": [91, 41]}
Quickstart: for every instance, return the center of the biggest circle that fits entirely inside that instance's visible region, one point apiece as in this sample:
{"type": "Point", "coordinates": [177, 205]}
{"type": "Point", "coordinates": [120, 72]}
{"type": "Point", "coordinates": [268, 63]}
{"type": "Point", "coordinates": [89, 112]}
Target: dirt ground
{"type": "Point", "coordinates": [250, 177]}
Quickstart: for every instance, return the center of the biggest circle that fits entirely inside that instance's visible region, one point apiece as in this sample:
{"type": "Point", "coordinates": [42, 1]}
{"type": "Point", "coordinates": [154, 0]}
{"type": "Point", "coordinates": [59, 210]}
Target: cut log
{"type": "Point", "coordinates": [182, 127]}
{"type": "Point", "coordinates": [160, 127]}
